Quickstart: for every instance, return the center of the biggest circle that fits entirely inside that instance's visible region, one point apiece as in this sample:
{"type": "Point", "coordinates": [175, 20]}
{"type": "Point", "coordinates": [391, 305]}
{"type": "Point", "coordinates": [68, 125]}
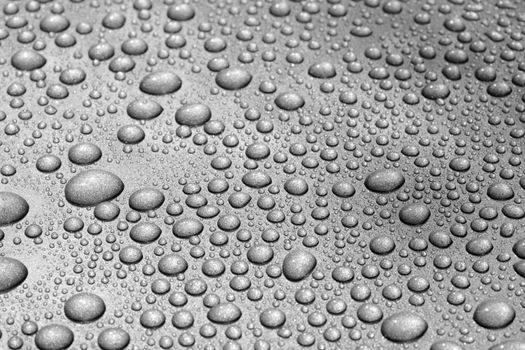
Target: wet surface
{"type": "Point", "coordinates": [262, 174]}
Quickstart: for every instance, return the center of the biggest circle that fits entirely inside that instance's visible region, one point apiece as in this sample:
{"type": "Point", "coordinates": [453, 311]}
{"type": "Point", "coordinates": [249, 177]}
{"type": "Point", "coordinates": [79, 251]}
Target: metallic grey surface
{"type": "Point", "coordinates": [262, 174]}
